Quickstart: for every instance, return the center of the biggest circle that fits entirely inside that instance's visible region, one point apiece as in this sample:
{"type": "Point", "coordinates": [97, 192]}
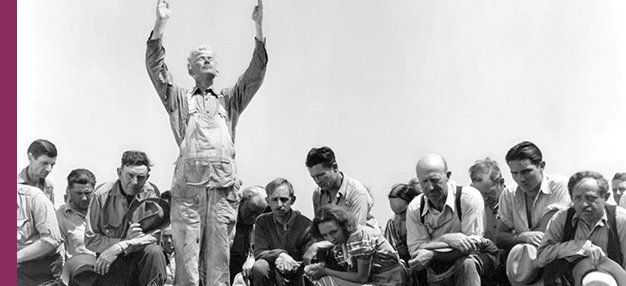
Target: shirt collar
{"type": "Point", "coordinates": [342, 188]}
{"type": "Point", "coordinates": [197, 90]}
{"type": "Point", "coordinates": [292, 218]}
{"type": "Point", "coordinates": [69, 207]}
{"type": "Point", "coordinates": [449, 200]}
{"type": "Point", "coordinates": [24, 178]}
{"type": "Point", "coordinates": [601, 222]}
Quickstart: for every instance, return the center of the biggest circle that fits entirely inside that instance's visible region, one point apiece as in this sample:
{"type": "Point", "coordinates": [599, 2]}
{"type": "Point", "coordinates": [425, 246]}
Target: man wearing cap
{"type": "Point", "coordinates": [126, 255]}
{"type": "Point", "coordinates": [280, 239]}
{"type": "Point", "coordinates": [205, 189]}
{"type": "Point", "coordinates": [72, 216]}
{"type": "Point", "coordinates": [253, 203]}
{"type": "Point", "coordinates": [591, 228]}
{"type": "Point", "coordinates": [451, 216]}
{"type": "Point", "coordinates": [38, 237]}
{"type": "Point", "coordinates": [42, 156]}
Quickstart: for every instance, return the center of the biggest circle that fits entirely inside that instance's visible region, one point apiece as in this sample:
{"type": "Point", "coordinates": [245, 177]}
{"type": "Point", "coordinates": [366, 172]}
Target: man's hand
{"type": "Point", "coordinates": [286, 264]}
{"type": "Point", "coordinates": [594, 252]}
{"type": "Point", "coordinates": [421, 259]}
{"type": "Point", "coordinates": [310, 253]}
{"type": "Point", "coordinates": [315, 271]}
{"type": "Point", "coordinates": [246, 269]}
{"type": "Point", "coordinates": [531, 237]}
{"type": "Point", "coordinates": [163, 10]}
{"type": "Point", "coordinates": [257, 14]}
{"type": "Point", "coordinates": [134, 231]}
{"type": "Point", "coordinates": [106, 258]}
{"type": "Point", "coordinates": [461, 242]}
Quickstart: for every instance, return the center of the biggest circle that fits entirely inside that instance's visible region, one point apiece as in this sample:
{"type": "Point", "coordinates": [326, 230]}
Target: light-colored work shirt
{"type": "Point", "coordinates": [44, 185]}
{"type": "Point", "coordinates": [353, 196]}
{"type": "Point", "coordinates": [105, 218]}
{"type": "Point", "coordinates": [35, 218]}
{"type": "Point", "coordinates": [72, 225]}
{"type": "Point", "coordinates": [553, 195]}
{"type": "Point", "coordinates": [553, 247]}
{"type": "Point", "coordinates": [437, 223]}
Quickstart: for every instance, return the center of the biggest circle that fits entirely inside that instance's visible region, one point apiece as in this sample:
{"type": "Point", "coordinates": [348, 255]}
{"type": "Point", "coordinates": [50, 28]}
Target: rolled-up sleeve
{"type": "Point", "coordinates": [473, 222]}
{"type": "Point", "coordinates": [46, 221]}
{"type": "Point", "coordinates": [552, 246]}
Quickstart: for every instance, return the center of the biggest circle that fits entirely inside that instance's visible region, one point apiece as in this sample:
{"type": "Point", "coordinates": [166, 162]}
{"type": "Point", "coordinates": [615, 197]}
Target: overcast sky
{"type": "Point", "coordinates": [380, 82]}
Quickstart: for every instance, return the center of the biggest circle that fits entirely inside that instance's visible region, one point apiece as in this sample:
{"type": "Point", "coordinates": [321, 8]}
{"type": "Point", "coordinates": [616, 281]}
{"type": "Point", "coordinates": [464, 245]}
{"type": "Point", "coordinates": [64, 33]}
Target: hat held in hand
{"type": "Point", "coordinates": [607, 273]}
{"type": "Point", "coordinates": [79, 270]}
{"type": "Point", "coordinates": [151, 214]}
{"type": "Point", "coordinates": [520, 268]}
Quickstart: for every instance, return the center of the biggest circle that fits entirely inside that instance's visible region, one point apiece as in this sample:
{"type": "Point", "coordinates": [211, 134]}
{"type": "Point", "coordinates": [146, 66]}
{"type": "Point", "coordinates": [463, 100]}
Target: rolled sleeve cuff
{"type": "Point", "coordinates": [52, 241]}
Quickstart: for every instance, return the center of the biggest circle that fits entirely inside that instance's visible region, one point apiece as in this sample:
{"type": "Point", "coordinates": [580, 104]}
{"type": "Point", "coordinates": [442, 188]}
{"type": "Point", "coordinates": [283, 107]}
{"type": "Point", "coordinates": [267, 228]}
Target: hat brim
{"type": "Point", "coordinates": [607, 266]}
{"type": "Point", "coordinates": [520, 268]}
{"type": "Point", "coordinates": [74, 262]}
{"type": "Point", "coordinates": [163, 223]}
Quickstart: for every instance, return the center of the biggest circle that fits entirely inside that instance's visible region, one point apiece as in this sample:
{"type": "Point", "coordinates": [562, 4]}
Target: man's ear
{"type": "Point", "coordinates": [334, 166]}
{"type": "Point", "coordinates": [31, 158]}
{"type": "Point", "coordinates": [293, 199]}
{"type": "Point", "coordinates": [449, 174]}
{"type": "Point", "coordinates": [119, 172]}
{"type": "Point", "coordinates": [542, 165]}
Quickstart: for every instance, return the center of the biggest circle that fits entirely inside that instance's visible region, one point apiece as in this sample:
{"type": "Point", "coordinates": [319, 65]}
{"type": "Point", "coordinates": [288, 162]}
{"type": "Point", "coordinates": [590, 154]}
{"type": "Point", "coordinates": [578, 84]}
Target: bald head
{"type": "Point", "coordinates": [432, 173]}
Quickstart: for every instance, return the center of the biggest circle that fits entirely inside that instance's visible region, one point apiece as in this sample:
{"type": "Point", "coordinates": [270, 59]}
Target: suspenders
{"type": "Point", "coordinates": [613, 246]}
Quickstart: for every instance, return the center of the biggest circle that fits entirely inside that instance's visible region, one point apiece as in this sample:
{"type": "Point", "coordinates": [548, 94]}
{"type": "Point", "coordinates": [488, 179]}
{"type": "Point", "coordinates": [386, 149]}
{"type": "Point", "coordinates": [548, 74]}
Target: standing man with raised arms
{"type": "Point", "coordinates": [205, 189]}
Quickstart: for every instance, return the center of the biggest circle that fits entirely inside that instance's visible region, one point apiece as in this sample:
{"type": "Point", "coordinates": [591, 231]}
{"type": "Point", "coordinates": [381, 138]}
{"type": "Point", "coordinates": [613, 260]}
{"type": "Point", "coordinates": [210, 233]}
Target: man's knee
{"type": "Point", "coordinates": [466, 263]}
{"type": "Point", "coordinates": [261, 269]}
{"type": "Point", "coordinates": [153, 251]}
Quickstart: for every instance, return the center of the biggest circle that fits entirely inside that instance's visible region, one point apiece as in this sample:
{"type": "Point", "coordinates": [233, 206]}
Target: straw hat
{"type": "Point", "coordinates": [607, 273]}
{"type": "Point", "coordinates": [520, 268]}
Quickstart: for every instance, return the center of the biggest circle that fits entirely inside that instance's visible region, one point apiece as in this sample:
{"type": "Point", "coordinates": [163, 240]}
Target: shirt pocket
{"type": "Point", "coordinates": [209, 172]}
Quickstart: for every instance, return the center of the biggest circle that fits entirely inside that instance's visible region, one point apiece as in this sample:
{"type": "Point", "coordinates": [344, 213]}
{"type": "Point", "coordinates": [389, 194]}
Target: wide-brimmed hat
{"type": "Point", "coordinates": [607, 273]}
{"type": "Point", "coordinates": [79, 269]}
{"type": "Point", "coordinates": [520, 267]}
{"type": "Point", "coordinates": [151, 214]}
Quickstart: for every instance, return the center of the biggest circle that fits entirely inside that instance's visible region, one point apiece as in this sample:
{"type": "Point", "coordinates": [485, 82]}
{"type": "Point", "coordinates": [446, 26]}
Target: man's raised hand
{"type": "Point", "coordinates": [163, 10]}
{"type": "Point", "coordinates": [257, 14]}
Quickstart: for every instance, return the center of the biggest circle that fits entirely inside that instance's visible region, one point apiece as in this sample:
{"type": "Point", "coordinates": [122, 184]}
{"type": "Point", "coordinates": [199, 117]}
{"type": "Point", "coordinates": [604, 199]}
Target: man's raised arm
{"type": "Point", "coordinates": [162, 15]}
{"type": "Point", "coordinates": [257, 17]}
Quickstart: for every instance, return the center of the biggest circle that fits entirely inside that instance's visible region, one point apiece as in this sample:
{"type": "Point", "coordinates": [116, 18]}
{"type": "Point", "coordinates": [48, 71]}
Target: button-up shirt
{"type": "Point", "coordinates": [353, 196]}
{"type": "Point", "coordinates": [553, 195]}
{"type": "Point", "coordinates": [106, 218]}
{"type": "Point", "coordinates": [44, 185]}
{"type": "Point", "coordinates": [35, 218]}
{"type": "Point", "coordinates": [72, 225]}
{"type": "Point", "coordinates": [437, 223]}
{"type": "Point", "coordinates": [553, 247]}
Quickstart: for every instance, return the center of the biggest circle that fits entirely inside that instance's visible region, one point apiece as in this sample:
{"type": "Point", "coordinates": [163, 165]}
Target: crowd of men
{"type": "Point", "coordinates": [206, 231]}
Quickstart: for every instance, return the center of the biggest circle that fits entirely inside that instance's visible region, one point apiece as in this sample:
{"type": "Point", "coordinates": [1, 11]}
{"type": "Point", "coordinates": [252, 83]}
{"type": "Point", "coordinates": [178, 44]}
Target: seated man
{"type": "Point", "coordinates": [280, 239]}
{"type": "Point", "coordinates": [42, 156]}
{"type": "Point", "coordinates": [452, 216]}
{"type": "Point", "coordinates": [253, 203]}
{"type": "Point", "coordinates": [526, 207]}
{"type": "Point", "coordinates": [590, 228]}
{"type": "Point", "coordinates": [38, 237]}
{"type": "Point", "coordinates": [168, 248]}
{"type": "Point", "coordinates": [72, 216]}
{"type": "Point", "coordinates": [618, 185]}
{"type": "Point", "coordinates": [126, 255]}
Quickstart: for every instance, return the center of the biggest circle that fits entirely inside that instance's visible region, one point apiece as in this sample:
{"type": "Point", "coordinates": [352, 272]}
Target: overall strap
{"type": "Point", "coordinates": [613, 247]}
{"type": "Point", "coordinates": [457, 203]}
{"type": "Point", "coordinates": [569, 231]}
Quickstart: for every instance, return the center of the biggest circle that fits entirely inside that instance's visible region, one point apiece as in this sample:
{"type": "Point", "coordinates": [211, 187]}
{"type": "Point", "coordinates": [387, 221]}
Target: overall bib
{"type": "Point", "coordinates": [205, 197]}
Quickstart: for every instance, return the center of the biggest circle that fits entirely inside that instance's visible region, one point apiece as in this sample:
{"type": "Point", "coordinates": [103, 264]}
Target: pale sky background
{"type": "Point", "coordinates": [380, 82]}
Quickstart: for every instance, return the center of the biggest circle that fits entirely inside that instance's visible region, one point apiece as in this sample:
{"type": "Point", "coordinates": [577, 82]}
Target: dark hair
{"type": "Point", "coordinates": [167, 195]}
{"type": "Point", "coordinates": [271, 186]}
{"type": "Point", "coordinates": [42, 147]}
{"type": "Point", "coordinates": [487, 166]}
{"type": "Point", "coordinates": [81, 176]}
{"type": "Point", "coordinates": [603, 184]}
{"type": "Point", "coordinates": [323, 155]}
{"type": "Point", "coordinates": [404, 191]}
{"type": "Point", "coordinates": [525, 150]}
{"type": "Point", "coordinates": [135, 158]}
{"type": "Point", "coordinates": [339, 215]}
{"type": "Point", "coordinates": [620, 176]}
